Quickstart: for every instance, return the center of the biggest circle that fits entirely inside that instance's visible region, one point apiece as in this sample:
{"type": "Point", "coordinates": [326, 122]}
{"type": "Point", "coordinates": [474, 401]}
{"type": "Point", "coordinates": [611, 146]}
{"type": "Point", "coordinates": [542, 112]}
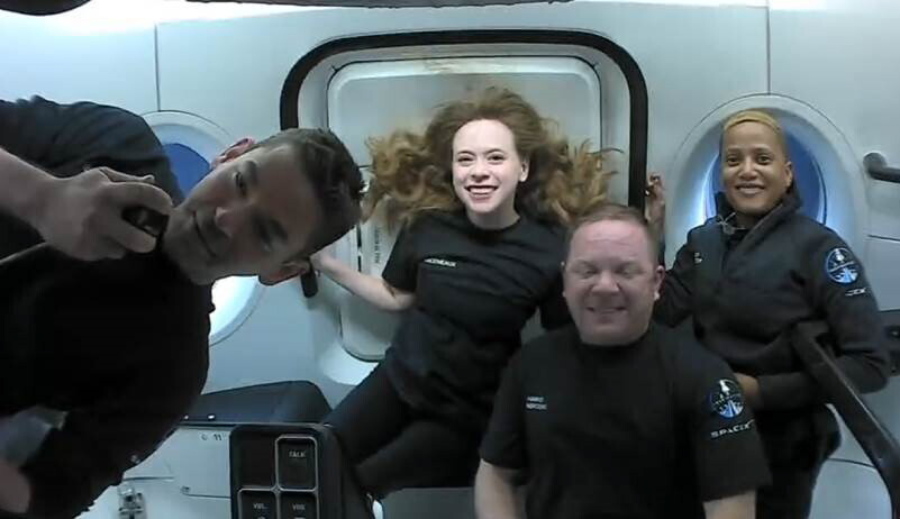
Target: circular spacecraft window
{"type": "Point", "coordinates": [807, 175]}
{"type": "Point", "coordinates": [191, 143]}
{"type": "Point", "coordinates": [189, 166]}
{"type": "Point", "coordinates": [823, 161]}
{"type": "Point", "coordinates": [234, 298]}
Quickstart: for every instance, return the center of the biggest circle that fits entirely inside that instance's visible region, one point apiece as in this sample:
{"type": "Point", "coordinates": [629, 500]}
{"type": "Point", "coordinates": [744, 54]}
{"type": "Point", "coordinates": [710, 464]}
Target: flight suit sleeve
{"type": "Point", "coordinates": [675, 301]}
{"type": "Point", "coordinates": [97, 445]}
{"type": "Point", "coordinates": [504, 443]}
{"type": "Point", "coordinates": [50, 135]}
{"type": "Point", "coordinates": [841, 294]}
{"type": "Point", "coordinates": [726, 447]}
{"type": "Point", "coordinates": [402, 269]}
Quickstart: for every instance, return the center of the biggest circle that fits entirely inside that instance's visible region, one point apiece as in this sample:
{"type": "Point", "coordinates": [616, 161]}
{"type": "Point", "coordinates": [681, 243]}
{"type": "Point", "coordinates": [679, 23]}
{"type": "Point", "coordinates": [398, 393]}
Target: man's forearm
{"type": "Point", "coordinates": [742, 506]}
{"type": "Point", "coordinates": [22, 188]}
{"type": "Point", "coordinates": [15, 491]}
{"type": "Point", "coordinates": [495, 495]}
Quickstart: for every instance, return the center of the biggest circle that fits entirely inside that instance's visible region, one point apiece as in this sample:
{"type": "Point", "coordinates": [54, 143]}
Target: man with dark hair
{"type": "Point", "coordinates": [615, 417]}
{"type": "Point", "coordinates": [120, 344]}
{"type": "Point", "coordinates": [327, 162]}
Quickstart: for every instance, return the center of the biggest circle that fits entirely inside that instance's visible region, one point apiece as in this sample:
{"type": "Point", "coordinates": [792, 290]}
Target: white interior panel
{"type": "Point", "coordinates": [884, 405]}
{"type": "Point", "coordinates": [881, 269]}
{"type": "Point", "coordinates": [879, 403]}
{"type": "Point", "coordinates": [685, 45]}
{"type": "Point", "coordinates": [195, 460]}
{"type": "Point", "coordinates": [847, 490]}
{"type": "Point", "coordinates": [818, 55]}
{"type": "Point", "coordinates": [162, 498]}
{"type": "Point", "coordinates": [363, 103]}
{"type": "Point", "coordinates": [48, 57]}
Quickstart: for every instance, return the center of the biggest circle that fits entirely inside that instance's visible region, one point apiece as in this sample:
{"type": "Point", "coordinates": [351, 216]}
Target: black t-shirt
{"type": "Point", "coordinates": [122, 346]}
{"type": "Point", "coordinates": [646, 430]}
{"type": "Point", "coordinates": [475, 290]}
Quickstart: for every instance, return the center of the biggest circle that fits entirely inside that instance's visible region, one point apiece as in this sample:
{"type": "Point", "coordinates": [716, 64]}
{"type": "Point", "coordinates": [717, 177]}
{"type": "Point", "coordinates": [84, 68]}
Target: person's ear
{"type": "Point", "coordinates": [789, 173]}
{"type": "Point", "coordinates": [658, 276]}
{"type": "Point", "coordinates": [232, 152]}
{"type": "Point", "coordinates": [285, 271]}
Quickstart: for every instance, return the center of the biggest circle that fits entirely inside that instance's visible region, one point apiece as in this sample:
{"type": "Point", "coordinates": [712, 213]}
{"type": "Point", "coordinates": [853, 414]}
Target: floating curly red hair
{"type": "Point", "coordinates": [412, 172]}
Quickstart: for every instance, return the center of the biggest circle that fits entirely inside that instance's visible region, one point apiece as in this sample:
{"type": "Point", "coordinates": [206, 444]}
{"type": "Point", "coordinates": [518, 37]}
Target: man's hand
{"type": "Point", "coordinates": [15, 491]}
{"type": "Point", "coordinates": [82, 215]}
{"type": "Point", "coordinates": [750, 388]}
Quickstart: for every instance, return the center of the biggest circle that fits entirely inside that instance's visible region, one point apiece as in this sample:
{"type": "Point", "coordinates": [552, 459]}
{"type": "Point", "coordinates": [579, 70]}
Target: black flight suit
{"type": "Point", "coordinates": [746, 290]}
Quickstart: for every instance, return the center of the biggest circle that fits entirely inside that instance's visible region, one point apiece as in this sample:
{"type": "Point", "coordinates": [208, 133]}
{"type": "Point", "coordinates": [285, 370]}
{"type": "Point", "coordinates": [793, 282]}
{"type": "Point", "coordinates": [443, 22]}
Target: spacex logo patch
{"type": "Point", "coordinates": [726, 399]}
{"type": "Point", "coordinates": [840, 266]}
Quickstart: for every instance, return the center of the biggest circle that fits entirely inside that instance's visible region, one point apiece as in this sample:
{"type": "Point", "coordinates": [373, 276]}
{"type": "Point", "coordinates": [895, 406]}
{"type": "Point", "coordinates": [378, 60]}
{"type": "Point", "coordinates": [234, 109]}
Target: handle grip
{"type": "Point", "coordinates": [877, 168]}
{"type": "Point", "coordinates": [310, 282]}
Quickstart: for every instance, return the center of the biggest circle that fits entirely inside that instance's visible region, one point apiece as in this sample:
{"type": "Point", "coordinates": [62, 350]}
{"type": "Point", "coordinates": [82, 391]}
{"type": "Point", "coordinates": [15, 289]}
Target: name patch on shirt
{"type": "Point", "coordinates": [440, 262]}
{"type": "Point", "coordinates": [535, 403]}
{"type": "Point", "coordinates": [726, 399]}
{"type": "Point", "coordinates": [841, 266]}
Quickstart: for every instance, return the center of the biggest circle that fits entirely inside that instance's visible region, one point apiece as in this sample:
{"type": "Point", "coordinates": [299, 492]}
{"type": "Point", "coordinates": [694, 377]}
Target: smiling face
{"type": "Point", "coordinates": [611, 282]}
{"type": "Point", "coordinates": [756, 172]}
{"type": "Point", "coordinates": [254, 214]}
{"type": "Point", "coordinates": [486, 172]}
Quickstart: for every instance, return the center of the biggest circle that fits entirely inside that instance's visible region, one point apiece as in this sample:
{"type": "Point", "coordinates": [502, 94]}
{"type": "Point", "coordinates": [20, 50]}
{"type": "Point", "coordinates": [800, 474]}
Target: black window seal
{"type": "Point", "coordinates": [40, 7]}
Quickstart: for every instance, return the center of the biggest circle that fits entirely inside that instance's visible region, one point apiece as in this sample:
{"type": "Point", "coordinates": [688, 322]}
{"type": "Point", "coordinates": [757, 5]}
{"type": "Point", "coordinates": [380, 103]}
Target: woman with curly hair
{"type": "Point", "coordinates": [483, 197]}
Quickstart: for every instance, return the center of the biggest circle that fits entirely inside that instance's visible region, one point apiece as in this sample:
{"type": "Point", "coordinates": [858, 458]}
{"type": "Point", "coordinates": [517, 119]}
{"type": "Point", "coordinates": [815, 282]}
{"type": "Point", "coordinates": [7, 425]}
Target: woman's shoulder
{"type": "Point", "coordinates": [809, 225]}
{"type": "Point", "coordinates": [710, 225]}
{"type": "Point", "coordinates": [813, 236]}
{"type": "Point", "coordinates": [545, 227]}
